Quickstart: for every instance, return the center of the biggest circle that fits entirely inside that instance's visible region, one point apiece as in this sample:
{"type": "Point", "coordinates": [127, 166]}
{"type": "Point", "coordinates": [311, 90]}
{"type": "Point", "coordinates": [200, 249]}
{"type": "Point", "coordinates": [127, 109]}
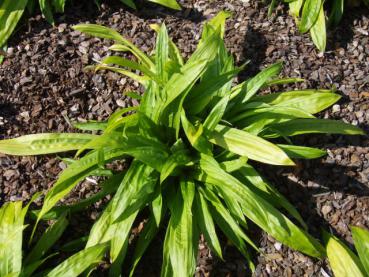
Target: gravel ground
{"type": "Point", "coordinates": [43, 88]}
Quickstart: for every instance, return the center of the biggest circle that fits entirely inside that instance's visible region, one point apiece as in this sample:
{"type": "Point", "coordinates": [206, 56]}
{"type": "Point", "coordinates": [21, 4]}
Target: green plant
{"type": "Point", "coordinates": [343, 261]}
{"type": "Point", "coordinates": [12, 263]}
{"type": "Point", "coordinates": [310, 16]}
{"type": "Point", "coordinates": [189, 143]}
{"type": "Point", "coordinates": [11, 12]}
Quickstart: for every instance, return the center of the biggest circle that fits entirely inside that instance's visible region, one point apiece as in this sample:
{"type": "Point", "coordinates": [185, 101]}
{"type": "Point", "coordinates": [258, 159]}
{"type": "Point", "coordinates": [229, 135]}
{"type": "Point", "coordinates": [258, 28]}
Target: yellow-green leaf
{"type": "Point", "coordinates": [47, 143]}
{"type": "Point", "coordinates": [318, 31]}
{"type": "Point", "coordinates": [10, 13]}
{"type": "Point", "coordinates": [246, 144]}
{"type": "Point", "coordinates": [342, 260]}
{"type": "Point", "coordinates": [361, 240]}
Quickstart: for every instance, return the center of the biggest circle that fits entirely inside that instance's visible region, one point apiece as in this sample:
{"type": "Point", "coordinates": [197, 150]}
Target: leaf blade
{"type": "Point", "coordinates": [251, 146]}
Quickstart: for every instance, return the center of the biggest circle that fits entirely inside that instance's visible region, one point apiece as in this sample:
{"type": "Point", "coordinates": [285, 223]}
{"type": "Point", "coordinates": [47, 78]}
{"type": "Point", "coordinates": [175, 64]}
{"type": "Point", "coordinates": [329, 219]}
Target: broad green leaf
{"type": "Point", "coordinates": [90, 125]}
{"type": "Point", "coordinates": [234, 209]}
{"type": "Point", "coordinates": [310, 14]}
{"type": "Point", "coordinates": [257, 209]}
{"type": "Point", "coordinates": [203, 93]}
{"type": "Point", "coordinates": [10, 13]}
{"type": "Point", "coordinates": [117, 233]}
{"type": "Point", "coordinates": [295, 7]}
{"type": "Point", "coordinates": [162, 53]}
{"type": "Point", "coordinates": [318, 31]}
{"type": "Point", "coordinates": [44, 143]}
{"type": "Point", "coordinates": [108, 187]}
{"type": "Point", "coordinates": [361, 240]}
{"type": "Point", "coordinates": [107, 140]}
{"type": "Point", "coordinates": [124, 122]}
{"type": "Point", "coordinates": [234, 165]}
{"type": "Point", "coordinates": [206, 224]}
{"type": "Point", "coordinates": [79, 262]}
{"type": "Point", "coordinates": [133, 95]}
{"type": "Point", "coordinates": [276, 110]}
{"type": "Point", "coordinates": [216, 114]}
{"type": "Point", "coordinates": [216, 23]}
{"type": "Point", "coordinates": [229, 229]}
{"type": "Point", "coordinates": [208, 48]}
{"type": "Point", "coordinates": [11, 235]}
{"type": "Point", "coordinates": [136, 146]}
{"type": "Point", "coordinates": [119, 47]}
{"type": "Point", "coordinates": [119, 113]}
{"type": "Point", "coordinates": [170, 110]}
{"type": "Point", "coordinates": [305, 126]}
{"type": "Point", "coordinates": [302, 152]}
{"type": "Point", "coordinates": [174, 53]}
{"type": "Point", "coordinates": [181, 82]}
{"type": "Point", "coordinates": [158, 209]}
{"type": "Point", "coordinates": [46, 10]}
{"type": "Point", "coordinates": [246, 144]}
{"type": "Point", "coordinates": [249, 88]}
{"type": "Point", "coordinates": [47, 240]}
{"type": "Point", "coordinates": [195, 136]}
{"type": "Point", "coordinates": [343, 261]}
{"type": "Point", "coordinates": [179, 157]}
{"type": "Point", "coordinates": [228, 225]}
{"type": "Point", "coordinates": [182, 236]}
{"type": "Point", "coordinates": [168, 3]}
{"type": "Point", "coordinates": [150, 102]}
{"type": "Point", "coordinates": [136, 188]}
{"type": "Point", "coordinates": [248, 175]}
{"type": "Point", "coordinates": [257, 123]}
{"type": "Point", "coordinates": [311, 101]}
{"type": "Point", "coordinates": [71, 176]}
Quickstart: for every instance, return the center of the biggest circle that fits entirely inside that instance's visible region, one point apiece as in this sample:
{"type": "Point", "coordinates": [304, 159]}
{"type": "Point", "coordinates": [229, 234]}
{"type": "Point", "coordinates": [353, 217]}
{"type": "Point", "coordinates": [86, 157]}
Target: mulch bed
{"type": "Point", "coordinates": [43, 88]}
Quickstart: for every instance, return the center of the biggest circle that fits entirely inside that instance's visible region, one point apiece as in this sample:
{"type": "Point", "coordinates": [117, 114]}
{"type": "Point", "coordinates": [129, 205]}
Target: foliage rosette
{"type": "Point", "coordinates": [189, 144]}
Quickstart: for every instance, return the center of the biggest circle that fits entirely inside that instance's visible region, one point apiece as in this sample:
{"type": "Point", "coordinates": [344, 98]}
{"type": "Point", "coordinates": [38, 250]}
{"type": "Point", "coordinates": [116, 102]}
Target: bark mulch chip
{"type": "Point", "coordinates": [43, 88]}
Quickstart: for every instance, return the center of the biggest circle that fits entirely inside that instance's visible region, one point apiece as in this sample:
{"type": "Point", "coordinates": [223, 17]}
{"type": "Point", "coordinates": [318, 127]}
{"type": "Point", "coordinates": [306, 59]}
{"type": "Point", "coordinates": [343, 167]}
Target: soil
{"type": "Point", "coordinates": [43, 88]}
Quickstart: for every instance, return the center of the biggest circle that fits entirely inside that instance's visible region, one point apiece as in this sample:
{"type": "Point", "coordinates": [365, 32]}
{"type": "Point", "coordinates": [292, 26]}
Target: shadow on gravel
{"type": "Point", "coordinates": [343, 34]}
{"type": "Point", "coordinates": [254, 49]}
{"type": "Point", "coordinates": [8, 111]}
{"type": "Point", "coordinates": [314, 180]}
